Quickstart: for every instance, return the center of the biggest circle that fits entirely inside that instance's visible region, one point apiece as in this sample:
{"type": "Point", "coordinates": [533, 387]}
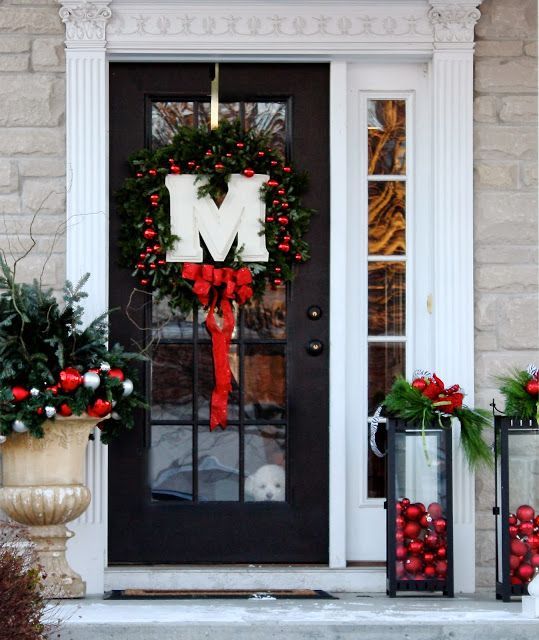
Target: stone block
{"type": "Point", "coordinates": [506, 219]}
{"type": "Point", "coordinates": [485, 577]}
{"type": "Point", "coordinates": [492, 364]}
{"type": "Point", "coordinates": [14, 43]}
{"type": "Point", "coordinates": [40, 194]}
{"type": "Point", "coordinates": [499, 142]}
{"type": "Point", "coordinates": [9, 204]}
{"type": "Point", "coordinates": [512, 278]}
{"type": "Point", "coordinates": [530, 49]}
{"type": "Point", "coordinates": [7, 172]}
{"type": "Point", "coordinates": [519, 109]}
{"type": "Point", "coordinates": [48, 54]}
{"type": "Point", "coordinates": [32, 267]}
{"type": "Point", "coordinates": [515, 19]}
{"type": "Point", "coordinates": [503, 254]}
{"type": "Point", "coordinates": [485, 310]}
{"type": "Point", "coordinates": [498, 48]}
{"type": "Point", "coordinates": [29, 141]}
{"type": "Point", "coordinates": [44, 224]}
{"type": "Point", "coordinates": [500, 176]}
{"type": "Point", "coordinates": [528, 174]}
{"type": "Point", "coordinates": [485, 109]}
{"type": "Point", "coordinates": [14, 62]}
{"type": "Point", "coordinates": [485, 394]}
{"type": "Point", "coordinates": [31, 100]}
{"type": "Point", "coordinates": [505, 75]}
{"type": "Point", "coordinates": [42, 20]}
{"type": "Point", "coordinates": [486, 341]}
{"type": "Point", "coordinates": [485, 547]}
{"type": "Point", "coordinates": [42, 167]}
{"type": "Point", "coordinates": [518, 321]}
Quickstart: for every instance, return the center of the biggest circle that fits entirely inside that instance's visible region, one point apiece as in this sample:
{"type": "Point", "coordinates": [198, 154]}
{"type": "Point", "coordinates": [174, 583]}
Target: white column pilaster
{"type": "Point", "coordinates": [452, 86]}
{"type": "Point", "coordinates": [87, 235]}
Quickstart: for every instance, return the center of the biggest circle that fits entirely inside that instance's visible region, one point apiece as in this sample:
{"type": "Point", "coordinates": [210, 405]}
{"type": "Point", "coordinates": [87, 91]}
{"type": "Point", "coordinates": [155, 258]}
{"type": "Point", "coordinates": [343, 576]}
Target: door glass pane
{"type": "Point", "coordinates": [218, 464]}
{"type": "Point", "coordinates": [171, 462]}
{"type": "Point", "coordinates": [387, 222]}
{"type": "Point", "coordinates": [387, 298]}
{"type": "Point", "coordinates": [266, 318]}
{"type": "Point", "coordinates": [387, 136]}
{"type": "Point", "coordinates": [265, 452]}
{"type": "Point", "coordinates": [386, 362]}
{"type": "Point", "coordinates": [264, 387]}
{"type": "Point", "coordinates": [269, 117]}
{"type": "Point", "coordinates": [167, 117]}
{"type": "Point", "coordinates": [172, 382]}
{"type": "Point", "coordinates": [169, 325]}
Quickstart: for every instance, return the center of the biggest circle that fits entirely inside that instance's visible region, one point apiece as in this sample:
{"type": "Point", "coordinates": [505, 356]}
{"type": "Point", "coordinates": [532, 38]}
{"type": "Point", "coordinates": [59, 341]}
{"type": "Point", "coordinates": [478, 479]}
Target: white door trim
{"type": "Point", "coordinates": [297, 30]}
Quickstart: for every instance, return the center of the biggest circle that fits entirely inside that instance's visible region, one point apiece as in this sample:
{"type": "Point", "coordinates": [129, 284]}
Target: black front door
{"type": "Point", "coordinates": [258, 491]}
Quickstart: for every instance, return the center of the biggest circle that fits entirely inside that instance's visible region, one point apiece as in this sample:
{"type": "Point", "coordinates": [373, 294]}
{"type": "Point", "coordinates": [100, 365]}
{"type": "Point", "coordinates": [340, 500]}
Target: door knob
{"type": "Point", "coordinates": [315, 347]}
{"type": "Point", "coordinates": [314, 312]}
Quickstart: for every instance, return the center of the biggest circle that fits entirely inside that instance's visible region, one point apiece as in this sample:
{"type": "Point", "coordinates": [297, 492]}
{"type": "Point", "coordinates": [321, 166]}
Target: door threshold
{"type": "Point", "coordinates": [256, 577]}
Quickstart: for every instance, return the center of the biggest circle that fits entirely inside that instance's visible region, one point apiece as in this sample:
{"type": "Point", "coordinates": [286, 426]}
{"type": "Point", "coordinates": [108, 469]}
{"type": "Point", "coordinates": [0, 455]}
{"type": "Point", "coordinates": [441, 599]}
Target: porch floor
{"type": "Point", "coordinates": [374, 617]}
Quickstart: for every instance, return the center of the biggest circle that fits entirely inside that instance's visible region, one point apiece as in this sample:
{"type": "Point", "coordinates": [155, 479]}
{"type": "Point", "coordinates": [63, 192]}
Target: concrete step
{"type": "Point", "coordinates": [352, 616]}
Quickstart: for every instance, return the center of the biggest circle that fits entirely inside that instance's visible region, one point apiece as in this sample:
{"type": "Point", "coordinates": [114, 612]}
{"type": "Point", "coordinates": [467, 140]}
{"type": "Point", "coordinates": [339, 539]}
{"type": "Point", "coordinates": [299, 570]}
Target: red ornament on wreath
{"type": "Point", "coordinates": [189, 176]}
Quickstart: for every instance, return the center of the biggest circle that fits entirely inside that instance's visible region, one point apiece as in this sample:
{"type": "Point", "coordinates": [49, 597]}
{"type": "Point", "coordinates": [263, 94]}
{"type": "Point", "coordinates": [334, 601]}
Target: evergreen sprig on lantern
{"type": "Point", "coordinates": [521, 392]}
{"type": "Point", "coordinates": [426, 400]}
{"type": "Point", "coordinates": [52, 366]}
{"type": "Point", "coordinates": [212, 154]}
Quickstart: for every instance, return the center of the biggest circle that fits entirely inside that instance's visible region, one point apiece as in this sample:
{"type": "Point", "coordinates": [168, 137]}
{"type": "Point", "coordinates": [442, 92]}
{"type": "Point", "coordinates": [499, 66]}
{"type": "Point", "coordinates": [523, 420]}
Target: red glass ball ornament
{"type": "Point", "coordinates": [282, 220]}
{"type": "Point", "coordinates": [405, 502]}
{"type": "Point", "coordinates": [277, 281]}
{"type": "Point", "coordinates": [399, 522]}
{"type": "Point", "coordinates": [141, 265]}
{"type": "Point", "coordinates": [285, 205]}
{"type": "Point", "coordinates": [441, 552]}
{"type": "Point", "coordinates": [419, 384]}
{"type": "Point", "coordinates": [65, 410]}
{"type": "Point", "coordinates": [148, 220]}
{"type": "Point", "coordinates": [412, 529]}
{"type": "Point", "coordinates": [144, 282]}
{"type": "Point", "coordinates": [240, 145]}
{"type": "Point", "coordinates": [533, 541]}
{"type": "Point", "coordinates": [273, 163]}
{"type": "Point", "coordinates": [191, 164]}
{"type": "Point", "coordinates": [277, 269]}
{"type": "Point", "coordinates": [287, 169]}
{"type": "Point", "coordinates": [248, 173]}
{"type": "Point", "coordinates": [261, 154]}
{"type": "Point", "coordinates": [153, 266]}
{"type": "Point", "coordinates": [428, 557]}
{"type": "Point", "coordinates": [441, 568]}
{"type": "Point", "coordinates": [154, 197]}
{"type": "Point", "coordinates": [53, 389]}
{"type": "Point", "coordinates": [413, 564]}
{"type": "Point", "coordinates": [70, 379]}
{"type": "Point", "coordinates": [161, 262]}
{"type": "Point", "coordinates": [415, 547]}
{"type": "Point", "coordinates": [513, 531]}
{"type": "Point", "coordinates": [276, 203]}
{"type": "Point", "coordinates": [281, 192]}
{"type": "Point", "coordinates": [270, 219]}
{"type": "Point", "coordinates": [429, 571]}
{"type": "Point", "coordinates": [512, 518]}
{"type": "Point", "coordinates": [272, 183]}
{"type": "Point", "coordinates": [149, 234]}
{"type": "Point", "coordinates": [175, 169]}
{"type": "Point", "coordinates": [518, 548]}
{"type": "Point", "coordinates": [287, 238]}
{"type": "Point", "coordinates": [516, 580]}
{"type": "Point", "coordinates": [420, 506]}
{"type": "Point", "coordinates": [209, 153]}
{"type": "Point", "coordinates": [525, 513]}
{"type": "Point", "coordinates": [525, 528]}
{"type": "Point", "coordinates": [431, 540]}
{"type": "Point", "coordinates": [285, 248]}
{"type": "Point", "coordinates": [219, 166]}
{"type": "Point", "coordinates": [142, 256]}
{"type": "Point", "coordinates": [425, 521]}
{"type": "Point", "coordinates": [532, 387]}
{"type": "Point", "coordinates": [228, 155]}
{"type": "Point", "coordinates": [525, 571]}
{"type": "Point", "coordinates": [400, 552]}
{"type": "Point", "coordinates": [535, 560]}
{"type": "Point", "coordinates": [413, 512]}
{"type": "Point", "coordinates": [440, 525]}
{"type": "Point", "coordinates": [39, 411]}
{"type": "Point", "coordinates": [149, 249]}
{"type": "Point", "coordinates": [399, 536]}
{"type": "Point", "coordinates": [298, 257]}
{"type": "Point", "coordinates": [152, 172]}
{"type": "Point", "coordinates": [117, 373]}
{"type": "Point", "coordinates": [19, 394]}
{"type": "Point", "coordinates": [435, 510]}
{"type": "Point", "coordinates": [99, 409]}
{"type": "Point", "coordinates": [157, 248]}
{"type": "Point", "coordinates": [139, 174]}
{"type": "Point", "coordinates": [514, 562]}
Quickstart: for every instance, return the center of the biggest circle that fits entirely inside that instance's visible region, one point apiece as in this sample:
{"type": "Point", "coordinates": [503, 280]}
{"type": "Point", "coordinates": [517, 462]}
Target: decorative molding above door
{"type": "Point", "coordinates": [323, 28]}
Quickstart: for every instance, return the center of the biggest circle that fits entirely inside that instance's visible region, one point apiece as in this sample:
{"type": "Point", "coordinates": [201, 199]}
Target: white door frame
{"type": "Point", "coordinates": [440, 32]}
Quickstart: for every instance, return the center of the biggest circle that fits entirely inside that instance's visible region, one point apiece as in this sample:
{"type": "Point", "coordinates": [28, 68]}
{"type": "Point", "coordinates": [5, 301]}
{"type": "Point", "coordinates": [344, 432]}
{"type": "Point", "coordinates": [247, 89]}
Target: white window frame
{"type": "Point", "coordinates": [439, 32]}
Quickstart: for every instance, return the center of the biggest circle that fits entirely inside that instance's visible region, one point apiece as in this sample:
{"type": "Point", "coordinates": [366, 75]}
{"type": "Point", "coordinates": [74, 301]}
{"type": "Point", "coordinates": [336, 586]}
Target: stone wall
{"type": "Point", "coordinates": [506, 218]}
{"type": "Point", "coordinates": [32, 136]}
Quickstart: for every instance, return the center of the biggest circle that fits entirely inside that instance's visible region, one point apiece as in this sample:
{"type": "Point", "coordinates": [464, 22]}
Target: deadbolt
{"type": "Point", "coordinates": [314, 312]}
{"type": "Point", "coordinates": [315, 347]}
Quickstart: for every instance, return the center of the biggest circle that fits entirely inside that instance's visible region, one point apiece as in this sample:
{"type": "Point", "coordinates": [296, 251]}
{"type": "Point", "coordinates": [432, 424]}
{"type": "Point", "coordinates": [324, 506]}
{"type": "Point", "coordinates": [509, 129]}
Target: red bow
{"type": "Point", "coordinates": [446, 400]}
{"type": "Point", "coordinates": [218, 288]}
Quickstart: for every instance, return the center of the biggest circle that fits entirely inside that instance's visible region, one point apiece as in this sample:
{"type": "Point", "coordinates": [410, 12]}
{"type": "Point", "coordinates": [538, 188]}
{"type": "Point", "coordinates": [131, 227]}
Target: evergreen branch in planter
{"type": "Point", "coordinates": [521, 392]}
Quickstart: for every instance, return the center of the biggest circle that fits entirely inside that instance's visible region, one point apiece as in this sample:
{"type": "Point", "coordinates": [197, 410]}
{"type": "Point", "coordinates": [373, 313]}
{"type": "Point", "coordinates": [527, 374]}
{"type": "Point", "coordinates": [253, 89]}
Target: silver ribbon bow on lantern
{"type": "Point", "coordinates": [532, 371]}
{"type": "Point", "coordinates": [375, 421]}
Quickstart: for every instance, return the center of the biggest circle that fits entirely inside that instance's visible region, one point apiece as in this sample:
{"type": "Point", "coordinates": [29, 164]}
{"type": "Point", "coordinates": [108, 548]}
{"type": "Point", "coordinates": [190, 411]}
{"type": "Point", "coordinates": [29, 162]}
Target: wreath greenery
{"type": "Point", "coordinates": [520, 389]}
{"type": "Point", "coordinates": [215, 154]}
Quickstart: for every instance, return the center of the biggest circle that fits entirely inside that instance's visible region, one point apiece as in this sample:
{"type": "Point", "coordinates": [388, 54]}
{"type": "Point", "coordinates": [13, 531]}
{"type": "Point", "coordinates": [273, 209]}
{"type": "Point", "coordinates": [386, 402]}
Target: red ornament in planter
{"type": "Point", "coordinates": [117, 373]}
{"type": "Point", "coordinates": [435, 510]}
{"type": "Point", "coordinates": [65, 410]}
{"type": "Point", "coordinates": [525, 513]}
{"type": "Point", "coordinates": [518, 548]}
{"type": "Point", "coordinates": [412, 530]}
{"type": "Point", "coordinates": [99, 409]}
{"type": "Point", "coordinates": [70, 379]}
{"type": "Point", "coordinates": [414, 564]}
{"type": "Point", "coordinates": [413, 512]}
{"type": "Point", "coordinates": [19, 393]}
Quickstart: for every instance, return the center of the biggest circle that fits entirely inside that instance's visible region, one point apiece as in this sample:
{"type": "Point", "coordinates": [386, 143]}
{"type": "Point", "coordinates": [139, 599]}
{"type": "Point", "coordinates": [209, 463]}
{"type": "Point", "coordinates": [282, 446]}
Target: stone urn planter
{"type": "Point", "coordinates": [43, 489]}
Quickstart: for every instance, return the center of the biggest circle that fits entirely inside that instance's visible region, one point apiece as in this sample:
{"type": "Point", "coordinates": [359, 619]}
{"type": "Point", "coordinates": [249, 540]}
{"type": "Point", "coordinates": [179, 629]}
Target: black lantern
{"type": "Point", "coordinates": [517, 505]}
{"type": "Point", "coordinates": [419, 507]}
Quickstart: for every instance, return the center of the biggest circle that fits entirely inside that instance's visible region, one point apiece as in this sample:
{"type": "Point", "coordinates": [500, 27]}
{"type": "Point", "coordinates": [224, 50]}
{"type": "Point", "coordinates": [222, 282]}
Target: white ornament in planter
{"type": "Point", "coordinates": [242, 213]}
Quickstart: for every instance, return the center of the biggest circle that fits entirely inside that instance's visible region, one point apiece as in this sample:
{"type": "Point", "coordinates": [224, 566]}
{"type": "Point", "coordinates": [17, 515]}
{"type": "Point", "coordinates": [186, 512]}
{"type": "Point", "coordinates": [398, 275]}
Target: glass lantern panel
{"type": "Point", "coordinates": [523, 461]}
{"type": "Point", "coordinates": [421, 504]}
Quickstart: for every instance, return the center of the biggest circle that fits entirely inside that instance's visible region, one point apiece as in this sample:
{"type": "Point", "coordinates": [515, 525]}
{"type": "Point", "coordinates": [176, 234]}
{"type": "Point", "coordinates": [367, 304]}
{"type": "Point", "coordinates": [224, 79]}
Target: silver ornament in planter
{"type": "Point", "coordinates": [19, 426]}
{"type": "Point", "coordinates": [128, 387]}
{"type": "Point", "coordinates": [91, 380]}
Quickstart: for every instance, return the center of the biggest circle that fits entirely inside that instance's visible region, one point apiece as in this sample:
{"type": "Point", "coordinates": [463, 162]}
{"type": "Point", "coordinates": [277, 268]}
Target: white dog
{"type": "Point", "coordinates": [267, 483]}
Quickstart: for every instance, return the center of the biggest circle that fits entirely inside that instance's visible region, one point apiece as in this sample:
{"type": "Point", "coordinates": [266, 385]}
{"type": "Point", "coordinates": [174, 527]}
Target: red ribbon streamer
{"type": "Point", "coordinates": [218, 288]}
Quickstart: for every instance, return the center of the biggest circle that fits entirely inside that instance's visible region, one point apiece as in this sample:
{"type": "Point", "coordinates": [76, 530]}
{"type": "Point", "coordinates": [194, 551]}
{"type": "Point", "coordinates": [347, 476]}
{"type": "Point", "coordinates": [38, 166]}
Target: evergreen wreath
{"type": "Point", "coordinates": [215, 154]}
{"type": "Point", "coordinates": [426, 401]}
{"type": "Point", "coordinates": [51, 366]}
